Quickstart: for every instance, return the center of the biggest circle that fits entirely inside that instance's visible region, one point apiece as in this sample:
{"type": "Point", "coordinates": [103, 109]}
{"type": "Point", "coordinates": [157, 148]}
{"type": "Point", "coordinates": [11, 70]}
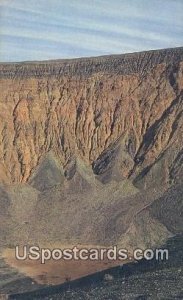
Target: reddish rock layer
{"type": "Point", "coordinates": [80, 108]}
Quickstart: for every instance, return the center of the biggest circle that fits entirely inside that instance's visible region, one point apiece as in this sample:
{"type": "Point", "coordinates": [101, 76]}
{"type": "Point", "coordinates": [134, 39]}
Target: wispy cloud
{"type": "Point", "coordinates": [32, 30]}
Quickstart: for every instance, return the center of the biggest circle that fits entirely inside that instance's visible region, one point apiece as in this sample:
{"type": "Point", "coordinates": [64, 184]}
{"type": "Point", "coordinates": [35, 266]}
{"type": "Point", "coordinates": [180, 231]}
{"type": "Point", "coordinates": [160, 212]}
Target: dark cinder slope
{"type": "Point", "coordinates": [136, 281]}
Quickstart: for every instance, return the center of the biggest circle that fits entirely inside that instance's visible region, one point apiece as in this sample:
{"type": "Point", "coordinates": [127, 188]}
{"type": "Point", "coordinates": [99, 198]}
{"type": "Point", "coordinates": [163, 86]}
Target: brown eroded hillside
{"type": "Point", "coordinates": [93, 108]}
{"type": "Point", "coordinates": [91, 153]}
{"type": "Point", "coordinates": [99, 139]}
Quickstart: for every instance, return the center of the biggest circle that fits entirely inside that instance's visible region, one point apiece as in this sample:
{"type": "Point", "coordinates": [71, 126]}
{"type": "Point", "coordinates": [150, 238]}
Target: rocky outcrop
{"type": "Point", "coordinates": [85, 108]}
{"type": "Point", "coordinates": [91, 150]}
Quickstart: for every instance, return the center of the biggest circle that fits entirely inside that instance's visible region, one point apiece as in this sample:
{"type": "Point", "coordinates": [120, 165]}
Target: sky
{"type": "Point", "coordinates": [53, 29]}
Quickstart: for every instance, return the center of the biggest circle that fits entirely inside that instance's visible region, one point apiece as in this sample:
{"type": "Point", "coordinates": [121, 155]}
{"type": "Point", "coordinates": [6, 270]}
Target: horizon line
{"type": "Point", "coordinates": [87, 57]}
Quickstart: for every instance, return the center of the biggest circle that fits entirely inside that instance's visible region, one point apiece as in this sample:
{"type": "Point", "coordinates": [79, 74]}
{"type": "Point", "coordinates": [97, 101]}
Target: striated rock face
{"type": "Point", "coordinates": [91, 150]}
{"type": "Point", "coordinates": [127, 107]}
